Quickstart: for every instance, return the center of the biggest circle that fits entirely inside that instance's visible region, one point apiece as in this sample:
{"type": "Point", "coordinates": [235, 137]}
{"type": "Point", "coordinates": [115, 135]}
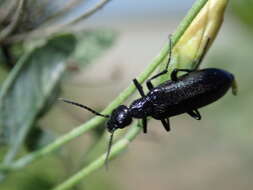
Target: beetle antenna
{"type": "Point", "coordinates": [85, 107]}
{"type": "Point", "coordinates": [109, 150]}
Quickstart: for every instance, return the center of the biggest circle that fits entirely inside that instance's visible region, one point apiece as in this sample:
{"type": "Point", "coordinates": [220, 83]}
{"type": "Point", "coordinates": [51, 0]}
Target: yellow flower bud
{"type": "Point", "coordinates": [205, 26]}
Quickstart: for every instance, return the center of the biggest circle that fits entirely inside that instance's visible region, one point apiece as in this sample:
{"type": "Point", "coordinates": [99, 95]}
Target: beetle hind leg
{"type": "Point", "coordinates": [195, 114]}
{"type": "Point", "coordinates": [149, 84]}
{"type": "Point", "coordinates": [173, 75]}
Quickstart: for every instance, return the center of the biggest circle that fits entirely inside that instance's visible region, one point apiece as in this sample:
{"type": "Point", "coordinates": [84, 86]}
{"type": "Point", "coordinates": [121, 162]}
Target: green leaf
{"type": "Point", "coordinates": [30, 85]}
{"type": "Point", "coordinates": [92, 44]}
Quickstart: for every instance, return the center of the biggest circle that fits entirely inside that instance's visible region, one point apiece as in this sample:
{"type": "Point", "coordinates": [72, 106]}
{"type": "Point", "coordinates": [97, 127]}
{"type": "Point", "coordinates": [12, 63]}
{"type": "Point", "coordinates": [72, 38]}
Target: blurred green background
{"type": "Point", "coordinates": [214, 153]}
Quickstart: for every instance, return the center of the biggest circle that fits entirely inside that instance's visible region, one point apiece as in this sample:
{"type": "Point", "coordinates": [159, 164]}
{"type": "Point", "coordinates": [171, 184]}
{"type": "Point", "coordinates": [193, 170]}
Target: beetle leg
{"type": "Point", "coordinates": [195, 114]}
{"type": "Point", "coordinates": [173, 75]}
{"type": "Point", "coordinates": [166, 124]}
{"type": "Point", "coordinates": [149, 84]}
{"type": "Point", "coordinates": [139, 87]}
{"type": "Point", "coordinates": [144, 124]}
{"type": "Point", "coordinates": [170, 46]}
{"type": "Point", "coordinates": [199, 60]}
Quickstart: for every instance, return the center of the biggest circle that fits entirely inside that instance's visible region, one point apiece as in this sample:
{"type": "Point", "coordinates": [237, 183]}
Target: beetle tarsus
{"type": "Point", "coordinates": [166, 124]}
{"type": "Point", "coordinates": [195, 114]}
{"type": "Point", "coordinates": [144, 125]}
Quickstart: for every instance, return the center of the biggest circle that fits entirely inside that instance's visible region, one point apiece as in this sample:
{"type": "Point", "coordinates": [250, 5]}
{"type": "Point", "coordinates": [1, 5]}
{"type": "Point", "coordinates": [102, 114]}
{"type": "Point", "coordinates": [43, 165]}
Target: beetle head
{"type": "Point", "coordinates": [119, 118]}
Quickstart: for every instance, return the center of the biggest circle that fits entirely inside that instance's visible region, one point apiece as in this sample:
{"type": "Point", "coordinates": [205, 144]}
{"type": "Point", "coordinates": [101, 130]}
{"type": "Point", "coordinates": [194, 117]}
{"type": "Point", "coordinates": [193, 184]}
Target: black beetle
{"type": "Point", "coordinates": [183, 94]}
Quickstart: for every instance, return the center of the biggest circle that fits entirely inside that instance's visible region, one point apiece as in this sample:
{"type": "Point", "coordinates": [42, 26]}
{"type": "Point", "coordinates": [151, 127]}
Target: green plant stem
{"type": "Point", "coordinates": [22, 162]}
{"type": "Point", "coordinates": [99, 162]}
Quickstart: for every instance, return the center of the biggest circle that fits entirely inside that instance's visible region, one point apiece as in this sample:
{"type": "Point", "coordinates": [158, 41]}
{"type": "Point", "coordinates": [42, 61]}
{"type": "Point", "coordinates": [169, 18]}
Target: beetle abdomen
{"type": "Point", "coordinates": [190, 91]}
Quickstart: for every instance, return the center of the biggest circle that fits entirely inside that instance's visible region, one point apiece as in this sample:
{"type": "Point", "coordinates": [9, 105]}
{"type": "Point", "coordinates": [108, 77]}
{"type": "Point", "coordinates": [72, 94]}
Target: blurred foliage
{"type": "Point", "coordinates": [28, 88]}
{"type": "Point", "coordinates": [241, 59]}
{"type": "Point", "coordinates": [38, 137]}
{"type": "Point", "coordinates": [91, 45]}
{"type": "Point", "coordinates": [36, 177]}
{"type": "Point", "coordinates": [243, 11]}
{"type": "Point", "coordinates": [37, 47]}
{"type": "Point", "coordinates": [21, 18]}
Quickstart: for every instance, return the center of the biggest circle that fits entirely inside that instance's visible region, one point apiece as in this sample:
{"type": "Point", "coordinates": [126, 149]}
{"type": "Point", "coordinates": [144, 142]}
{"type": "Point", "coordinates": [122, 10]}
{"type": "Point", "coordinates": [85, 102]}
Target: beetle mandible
{"type": "Point", "coordinates": [181, 94]}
